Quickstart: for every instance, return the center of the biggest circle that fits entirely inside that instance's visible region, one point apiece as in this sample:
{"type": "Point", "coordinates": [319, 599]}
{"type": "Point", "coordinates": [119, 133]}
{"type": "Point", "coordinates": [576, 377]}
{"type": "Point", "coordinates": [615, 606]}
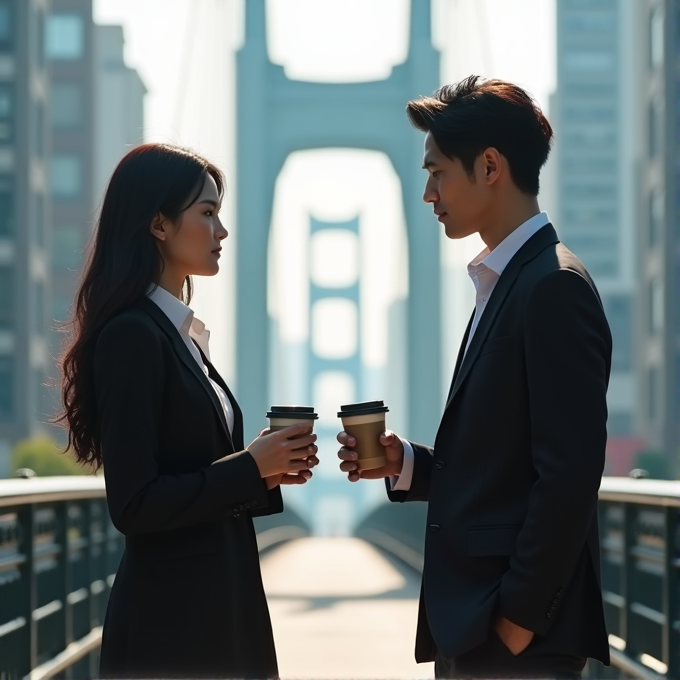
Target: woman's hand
{"type": "Point", "coordinates": [295, 478]}
{"type": "Point", "coordinates": [287, 452]}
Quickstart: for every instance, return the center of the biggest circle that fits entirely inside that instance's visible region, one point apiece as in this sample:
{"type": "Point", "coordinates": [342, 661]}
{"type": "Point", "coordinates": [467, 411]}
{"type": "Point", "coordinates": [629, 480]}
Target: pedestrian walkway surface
{"type": "Point", "coordinates": [342, 610]}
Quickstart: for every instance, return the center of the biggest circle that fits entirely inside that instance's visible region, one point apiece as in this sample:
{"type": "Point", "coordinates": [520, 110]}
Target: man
{"type": "Point", "coordinates": [511, 582]}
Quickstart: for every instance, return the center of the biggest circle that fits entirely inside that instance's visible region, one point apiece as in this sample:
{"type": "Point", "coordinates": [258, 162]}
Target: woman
{"type": "Point", "coordinates": [142, 398]}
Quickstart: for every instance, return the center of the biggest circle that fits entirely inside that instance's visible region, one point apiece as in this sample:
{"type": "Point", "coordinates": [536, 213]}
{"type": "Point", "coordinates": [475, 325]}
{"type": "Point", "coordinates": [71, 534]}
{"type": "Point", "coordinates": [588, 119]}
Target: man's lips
{"type": "Point", "coordinates": [440, 214]}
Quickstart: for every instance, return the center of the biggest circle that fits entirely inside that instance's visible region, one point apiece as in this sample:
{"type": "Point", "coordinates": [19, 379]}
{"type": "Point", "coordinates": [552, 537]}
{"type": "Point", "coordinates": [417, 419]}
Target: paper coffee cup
{"type": "Point", "coordinates": [281, 417]}
{"type": "Point", "coordinates": [365, 422]}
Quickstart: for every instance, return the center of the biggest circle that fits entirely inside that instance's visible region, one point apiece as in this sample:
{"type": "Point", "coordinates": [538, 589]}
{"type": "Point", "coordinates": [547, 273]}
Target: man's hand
{"type": "Point", "coordinates": [394, 457]}
{"type": "Point", "coordinates": [514, 637]}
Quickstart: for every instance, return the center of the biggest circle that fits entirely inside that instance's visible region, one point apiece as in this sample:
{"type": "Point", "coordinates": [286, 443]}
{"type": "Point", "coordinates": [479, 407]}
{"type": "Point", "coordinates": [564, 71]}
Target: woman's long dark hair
{"type": "Point", "coordinates": [123, 262]}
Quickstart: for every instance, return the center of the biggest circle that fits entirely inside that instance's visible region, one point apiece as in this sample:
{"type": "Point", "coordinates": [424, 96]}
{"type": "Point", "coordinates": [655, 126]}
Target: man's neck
{"type": "Point", "coordinates": [507, 220]}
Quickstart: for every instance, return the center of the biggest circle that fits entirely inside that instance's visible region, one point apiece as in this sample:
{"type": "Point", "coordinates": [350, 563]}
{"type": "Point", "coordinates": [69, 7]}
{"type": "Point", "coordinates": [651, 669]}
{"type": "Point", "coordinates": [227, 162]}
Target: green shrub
{"type": "Point", "coordinates": [42, 455]}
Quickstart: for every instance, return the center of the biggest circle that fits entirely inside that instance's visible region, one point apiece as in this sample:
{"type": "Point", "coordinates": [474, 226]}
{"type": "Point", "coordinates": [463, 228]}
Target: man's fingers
{"type": "Point", "coordinates": [354, 476]}
{"type": "Point", "coordinates": [348, 466]}
{"type": "Point", "coordinates": [344, 439]}
{"type": "Point", "coordinates": [387, 438]}
{"type": "Point", "coordinates": [347, 454]}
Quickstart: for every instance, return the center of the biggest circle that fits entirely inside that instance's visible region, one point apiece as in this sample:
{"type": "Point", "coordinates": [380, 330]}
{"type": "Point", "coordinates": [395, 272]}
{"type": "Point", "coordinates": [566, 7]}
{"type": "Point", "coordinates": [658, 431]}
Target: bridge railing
{"type": "Point", "coordinates": [640, 543]}
{"type": "Point", "coordinates": [59, 553]}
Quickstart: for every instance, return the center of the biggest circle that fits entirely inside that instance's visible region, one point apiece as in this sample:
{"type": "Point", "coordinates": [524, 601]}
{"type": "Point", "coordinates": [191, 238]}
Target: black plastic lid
{"type": "Point", "coordinates": [363, 408]}
{"type": "Point", "coordinates": [297, 412]}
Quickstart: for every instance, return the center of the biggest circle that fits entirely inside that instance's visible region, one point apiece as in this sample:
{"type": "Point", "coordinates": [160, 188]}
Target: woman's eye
{"type": "Point", "coordinates": [209, 213]}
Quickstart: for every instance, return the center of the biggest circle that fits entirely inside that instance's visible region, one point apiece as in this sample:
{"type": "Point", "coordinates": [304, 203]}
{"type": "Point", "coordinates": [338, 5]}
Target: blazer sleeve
{"type": "Point", "coordinates": [420, 481]}
{"type": "Point", "coordinates": [568, 356]}
{"type": "Point", "coordinates": [129, 380]}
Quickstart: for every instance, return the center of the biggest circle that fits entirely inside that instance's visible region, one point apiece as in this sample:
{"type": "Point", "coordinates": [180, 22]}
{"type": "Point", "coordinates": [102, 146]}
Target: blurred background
{"type": "Point", "coordinates": [332, 262]}
{"type": "Point", "coordinates": [336, 282]}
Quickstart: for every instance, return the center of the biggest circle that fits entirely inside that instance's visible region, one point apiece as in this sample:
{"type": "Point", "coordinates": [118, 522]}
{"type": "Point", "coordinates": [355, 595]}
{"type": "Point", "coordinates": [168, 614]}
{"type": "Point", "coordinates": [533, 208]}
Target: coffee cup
{"type": "Point", "coordinates": [365, 422]}
{"type": "Point", "coordinates": [281, 417]}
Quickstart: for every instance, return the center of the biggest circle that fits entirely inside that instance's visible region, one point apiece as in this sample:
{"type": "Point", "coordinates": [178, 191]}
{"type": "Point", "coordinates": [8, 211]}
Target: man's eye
{"type": "Point", "coordinates": [436, 173]}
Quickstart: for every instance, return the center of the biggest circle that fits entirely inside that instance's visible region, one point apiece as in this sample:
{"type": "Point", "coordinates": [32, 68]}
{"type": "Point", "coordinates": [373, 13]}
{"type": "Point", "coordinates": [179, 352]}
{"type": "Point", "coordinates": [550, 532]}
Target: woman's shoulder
{"type": "Point", "coordinates": [130, 326]}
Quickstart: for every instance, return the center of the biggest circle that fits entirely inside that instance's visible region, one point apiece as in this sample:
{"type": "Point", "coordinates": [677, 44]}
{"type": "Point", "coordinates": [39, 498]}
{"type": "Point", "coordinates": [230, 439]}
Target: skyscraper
{"type": "Point", "coordinates": [24, 207]}
{"type": "Point", "coordinates": [658, 327]}
{"type": "Point", "coordinates": [597, 133]}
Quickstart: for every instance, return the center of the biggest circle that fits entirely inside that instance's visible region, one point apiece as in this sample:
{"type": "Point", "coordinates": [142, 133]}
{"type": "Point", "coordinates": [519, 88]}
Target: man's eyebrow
{"type": "Point", "coordinates": [428, 164]}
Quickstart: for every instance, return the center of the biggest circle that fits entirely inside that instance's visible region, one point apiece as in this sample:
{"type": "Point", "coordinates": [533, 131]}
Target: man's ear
{"type": "Point", "coordinates": [158, 226]}
{"type": "Point", "coordinates": [493, 165]}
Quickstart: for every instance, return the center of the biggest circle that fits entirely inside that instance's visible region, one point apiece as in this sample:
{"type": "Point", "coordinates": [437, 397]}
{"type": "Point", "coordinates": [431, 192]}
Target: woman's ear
{"type": "Point", "coordinates": [158, 226]}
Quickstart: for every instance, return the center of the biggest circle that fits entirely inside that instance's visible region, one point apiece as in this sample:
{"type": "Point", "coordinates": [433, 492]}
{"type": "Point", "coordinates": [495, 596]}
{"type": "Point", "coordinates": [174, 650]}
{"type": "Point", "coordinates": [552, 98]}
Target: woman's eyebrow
{"type": "Point", "coordinates": [209, 201]}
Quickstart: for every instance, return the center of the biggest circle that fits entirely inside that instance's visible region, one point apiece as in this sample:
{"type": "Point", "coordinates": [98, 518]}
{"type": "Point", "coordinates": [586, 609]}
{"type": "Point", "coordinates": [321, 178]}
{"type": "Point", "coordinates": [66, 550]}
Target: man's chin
{"type": "Point", "coordinates": [453, 232]}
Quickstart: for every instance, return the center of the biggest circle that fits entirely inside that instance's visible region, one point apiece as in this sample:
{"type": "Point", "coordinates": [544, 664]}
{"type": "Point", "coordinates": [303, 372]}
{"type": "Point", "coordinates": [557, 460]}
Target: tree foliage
{"type": "Point", "coordinates": [42, 455]}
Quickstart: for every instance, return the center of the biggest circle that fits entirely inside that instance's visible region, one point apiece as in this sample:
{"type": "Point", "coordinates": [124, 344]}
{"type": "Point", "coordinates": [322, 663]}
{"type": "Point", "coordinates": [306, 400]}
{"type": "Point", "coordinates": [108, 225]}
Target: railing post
{"type": "Point", "coordinates": [671, 596]}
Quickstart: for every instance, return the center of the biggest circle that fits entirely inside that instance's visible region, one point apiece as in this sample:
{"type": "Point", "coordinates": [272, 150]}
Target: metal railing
{"type": "Point", "coordinates": [640, 543]}
{"type": "Point", "coordinates": [58, 557]}
{"type": "Point", "coordinates": [59, 553]}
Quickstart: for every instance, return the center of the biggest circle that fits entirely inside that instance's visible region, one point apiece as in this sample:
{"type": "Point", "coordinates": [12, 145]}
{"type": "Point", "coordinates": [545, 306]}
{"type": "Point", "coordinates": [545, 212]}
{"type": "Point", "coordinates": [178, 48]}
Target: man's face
{"type": "Point", "coordinates": [459, 200]}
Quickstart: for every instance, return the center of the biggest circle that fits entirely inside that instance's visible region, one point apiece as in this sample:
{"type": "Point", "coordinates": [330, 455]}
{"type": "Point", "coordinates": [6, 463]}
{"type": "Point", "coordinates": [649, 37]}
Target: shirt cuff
{"type": "Point", "coordinates": [402, 481]}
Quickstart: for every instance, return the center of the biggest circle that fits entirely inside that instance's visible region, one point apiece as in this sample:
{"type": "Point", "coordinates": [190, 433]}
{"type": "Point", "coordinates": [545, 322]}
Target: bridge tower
{"type": "Point", "coordinates": [277, 116]}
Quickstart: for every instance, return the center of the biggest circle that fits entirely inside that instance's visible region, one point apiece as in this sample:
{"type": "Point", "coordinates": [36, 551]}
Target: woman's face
{"type": "Point", "coordinates": [193, 244]}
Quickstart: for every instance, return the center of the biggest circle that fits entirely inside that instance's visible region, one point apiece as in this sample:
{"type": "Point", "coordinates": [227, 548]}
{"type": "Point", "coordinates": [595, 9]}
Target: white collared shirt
{"type": "Point", "coordinates": [190, 328]}
{"type": "Point", "coordinates": [484, 270]}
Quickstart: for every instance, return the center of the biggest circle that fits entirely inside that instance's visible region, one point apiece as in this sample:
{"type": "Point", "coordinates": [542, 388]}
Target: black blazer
{"type": "Point", "coordinates": [513, 478]}
{"type": "Point", "coordinates": [188, 599]}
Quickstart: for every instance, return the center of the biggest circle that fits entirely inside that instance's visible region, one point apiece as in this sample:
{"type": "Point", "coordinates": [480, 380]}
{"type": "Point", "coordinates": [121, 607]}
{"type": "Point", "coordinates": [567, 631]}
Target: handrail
{"type": "Point", "coordinates": [647, 491]}
{"type": "Point", "coordinates": [640, 542]}
{"type": "Point", "coordinates": [47, 489]}
{"type": "Point", "coordinates": [45, 524]}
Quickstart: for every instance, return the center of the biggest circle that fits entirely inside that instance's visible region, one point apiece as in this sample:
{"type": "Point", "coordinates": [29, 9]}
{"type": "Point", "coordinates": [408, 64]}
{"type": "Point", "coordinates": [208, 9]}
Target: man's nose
{"type": "Point", "coordinates": [430, 195]}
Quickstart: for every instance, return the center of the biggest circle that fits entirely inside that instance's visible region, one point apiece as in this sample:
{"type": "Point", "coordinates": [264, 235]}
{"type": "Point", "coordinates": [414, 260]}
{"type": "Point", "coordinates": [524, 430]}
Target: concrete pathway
{"type": "Point", "coordinates": [341, 610]}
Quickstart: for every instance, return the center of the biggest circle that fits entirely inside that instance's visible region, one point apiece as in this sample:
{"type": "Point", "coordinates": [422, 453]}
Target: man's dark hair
{"type": "Point", "coordinates": [475, 114]}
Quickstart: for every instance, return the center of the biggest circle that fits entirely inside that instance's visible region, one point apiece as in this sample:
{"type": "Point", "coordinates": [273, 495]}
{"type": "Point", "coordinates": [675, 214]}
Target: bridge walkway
{"type": "Point", "coordinates": [341, 609]}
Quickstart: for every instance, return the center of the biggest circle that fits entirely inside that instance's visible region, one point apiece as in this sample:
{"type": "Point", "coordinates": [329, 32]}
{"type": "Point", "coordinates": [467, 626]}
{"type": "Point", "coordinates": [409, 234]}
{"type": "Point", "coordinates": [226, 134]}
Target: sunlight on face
{"type": "Point", "coordinates": [458, 199]}
{"type": "Point", "coordinates": [193, 244]}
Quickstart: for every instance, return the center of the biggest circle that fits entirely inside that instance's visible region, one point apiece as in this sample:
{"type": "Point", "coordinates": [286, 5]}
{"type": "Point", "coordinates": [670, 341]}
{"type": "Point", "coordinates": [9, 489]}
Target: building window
{"type": "Point", "coordinates": [655, 130]}
{"type": "Point", "coordinates": [656, 306]}
{"type": "Point", "coordinates": [67, 106]}
{"type": "Point", "coordinates": [6, 389]}
{"type": "Point", "coordinates": [6, 113]}
{"type": "Point", "coordinates": [6, 24]}
{"type": "Point", "coordinates": [39, 308]}
{"type": "Point", "coordinates": [656, 218]}
{"type": "Point", "coordinates": [66, 175]}
{"type": "Point", "coordinates": [7, 297]}
{"type": "Point", "coordinates": [653, 395]}
{"type": "Point", "coordinates": [618, 311]}
{"type": "Point", "coordinates": [6, 206]}
{"type": "Point", "coordinates": [39, 219]}
{"type": "Point", "coordinates": [67, 247]}
{"type": "Point", "coordinates": [656, 38]}
{"type": "Point", "coordinates": [65, 37]}
{"type": "Point", "coordinates": [593, 61]}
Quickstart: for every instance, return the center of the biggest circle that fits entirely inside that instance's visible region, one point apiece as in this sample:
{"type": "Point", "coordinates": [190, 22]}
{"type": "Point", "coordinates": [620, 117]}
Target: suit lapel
{"type": "Point", "coordinates": [182, 351]}
{"type": "Point", "coordinates": [461, 354]}
{"type": "Point", "coordinates": [237, 434]}
{"type": "Point", "coordinates": [539, 241]}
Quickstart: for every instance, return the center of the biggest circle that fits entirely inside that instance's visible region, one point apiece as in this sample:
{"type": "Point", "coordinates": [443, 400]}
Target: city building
{"type": "Point", "coordinates": [118, 105]}
{"type": "Point", "coordinates": [658, 320]}
{"type": "Point", "coordinates": [24, 208]}
{"type": "Point", "coordinates": [597, 150]}
{"type": "Point", "coordinates": [69, 48]}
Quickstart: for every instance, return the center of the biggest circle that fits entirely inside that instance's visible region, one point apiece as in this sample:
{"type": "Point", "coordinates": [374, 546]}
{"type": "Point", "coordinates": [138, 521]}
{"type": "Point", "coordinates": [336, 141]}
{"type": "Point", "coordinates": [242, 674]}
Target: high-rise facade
{"type": "Point", "coordinates": [597, 132]}
{"type": "Point", "coordinates": [658, 321]}
{"type": "Point", "coordinates": [118, 105]}
{"type": "Point", "coordinates": [24, 210]}
{"type": "Point", "coordinates": [69, 48]}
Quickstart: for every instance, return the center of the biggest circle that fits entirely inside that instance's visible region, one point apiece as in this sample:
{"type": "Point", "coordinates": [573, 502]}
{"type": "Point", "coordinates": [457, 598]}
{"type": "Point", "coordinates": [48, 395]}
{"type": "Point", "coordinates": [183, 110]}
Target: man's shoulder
{"type": "Point", "coordinates": [556, 257]}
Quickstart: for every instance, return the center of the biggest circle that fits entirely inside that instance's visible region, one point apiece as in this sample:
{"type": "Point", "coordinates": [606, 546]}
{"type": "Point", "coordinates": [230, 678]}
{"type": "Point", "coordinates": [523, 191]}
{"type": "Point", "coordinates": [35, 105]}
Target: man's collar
{"type": "Point", "coordinates": [497, 259]}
